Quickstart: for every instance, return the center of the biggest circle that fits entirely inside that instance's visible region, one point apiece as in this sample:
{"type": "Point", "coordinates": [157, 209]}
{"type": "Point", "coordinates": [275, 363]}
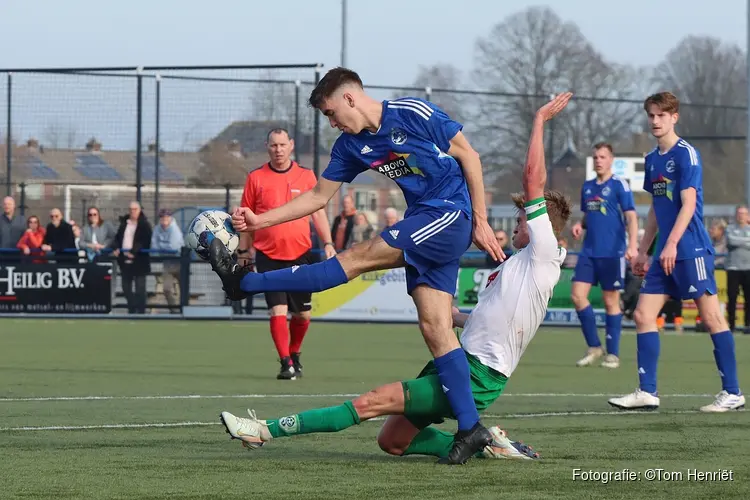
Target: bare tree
{"type": "Point", "coordinates": [705, 70]}
{"type": "Point", "coordinates": [57, 135]}
{"type": "Point", "coordinates": [439, 78]}
{"type": "Point", "coordinates": [531, 55]}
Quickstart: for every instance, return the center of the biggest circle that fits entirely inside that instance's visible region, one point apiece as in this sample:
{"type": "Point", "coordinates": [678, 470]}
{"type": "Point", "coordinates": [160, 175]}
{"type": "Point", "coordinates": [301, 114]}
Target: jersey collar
{"type": "Point", "coordinates": [291, 165]}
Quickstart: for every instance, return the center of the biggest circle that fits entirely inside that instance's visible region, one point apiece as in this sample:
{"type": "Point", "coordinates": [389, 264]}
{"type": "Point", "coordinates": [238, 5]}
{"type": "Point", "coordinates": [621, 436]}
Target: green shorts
{"type": "Point", "coordinates": [425, 402]}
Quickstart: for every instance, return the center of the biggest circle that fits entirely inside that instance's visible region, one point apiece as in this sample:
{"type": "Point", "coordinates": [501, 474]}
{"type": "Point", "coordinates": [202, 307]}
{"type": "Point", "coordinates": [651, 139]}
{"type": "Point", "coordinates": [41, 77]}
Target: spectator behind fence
{"type": "Point", "coordinates": [32, 239]}
{"type": "Point", "coordinates": [344, 223]}
{"type": "Point", "coordinates": [96, 234]}
{"type": "Point", "coordinates": [717, 232]}
{"type": "Point", "coordinates": [361, 231]}
{"type": "Point", "coordinates": [737, 264]}
{"type": "Point", "coordinates": [12, 225]}
{"type": "Point", "coordinates": [133, 235]}
{"type": "Point", "coordinates": [391, 216]}
{"type": "Point", "coordinates": [502, 239]}
{"type": "Point", "coordinates": [59, 233]}
{"type": "Point", "coordinates": [167, 237]}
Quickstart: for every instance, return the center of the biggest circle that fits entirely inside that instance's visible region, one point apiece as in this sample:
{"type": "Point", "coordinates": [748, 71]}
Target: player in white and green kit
{"type": "Point", "coordinates": [495, 336]}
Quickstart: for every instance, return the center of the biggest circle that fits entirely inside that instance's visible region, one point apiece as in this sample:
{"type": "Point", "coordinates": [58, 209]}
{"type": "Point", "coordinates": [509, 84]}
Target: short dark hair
{"type": "Point", "coordinates": [330, 83]}
{"type": "Point", "coordinates": [277, 130]}
{"type": "Point", "coordinates": [604, 145]}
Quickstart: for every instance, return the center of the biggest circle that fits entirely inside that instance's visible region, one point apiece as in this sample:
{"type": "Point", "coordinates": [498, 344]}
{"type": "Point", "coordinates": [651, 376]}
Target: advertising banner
{"type": "Point", "coordinates": [65, 288]}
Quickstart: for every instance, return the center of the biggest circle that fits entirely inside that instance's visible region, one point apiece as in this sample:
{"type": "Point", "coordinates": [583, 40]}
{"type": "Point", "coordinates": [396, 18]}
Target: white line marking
{"type": "Point", "coordinates": [376, 419]}
{"type": "Point", "coordinates": [285, 396]}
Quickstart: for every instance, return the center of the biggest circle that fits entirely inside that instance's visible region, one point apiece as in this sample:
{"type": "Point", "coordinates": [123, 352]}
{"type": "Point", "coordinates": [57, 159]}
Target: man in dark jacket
{"type": "Point", "coordinates": [133, 236]}
{"type": "Point", "coordinates": [343, 224]}
{"type": "Point", "coordinates": [12, 224]}
{"type": "Point", "coordinates": [59, 235]}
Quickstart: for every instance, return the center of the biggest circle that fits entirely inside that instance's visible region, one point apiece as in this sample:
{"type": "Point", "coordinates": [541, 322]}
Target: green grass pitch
{"type": "Point", "coordinates": [143, 438]}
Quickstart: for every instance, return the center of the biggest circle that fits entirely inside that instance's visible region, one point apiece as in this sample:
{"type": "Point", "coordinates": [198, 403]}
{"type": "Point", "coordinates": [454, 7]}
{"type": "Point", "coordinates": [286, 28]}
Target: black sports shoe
{"type": "Point", "coordinates": [466, 444]}
{"type": "Point", "coordinates": [287, 370]}
{"type": "Point", "coordinates": [297, 364]}
{"type": "Point", "coordinates": [228, 270]}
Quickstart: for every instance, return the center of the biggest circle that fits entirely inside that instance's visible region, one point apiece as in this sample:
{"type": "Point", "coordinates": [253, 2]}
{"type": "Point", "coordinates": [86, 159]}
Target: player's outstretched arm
{"type": "Point", "coordinates": [468, 158]}
{"type": "Point", "coordinates": [535, 171]}
{"type": "Point", "coordinates": [459, 318]}
{"type": "Point", "coordinates": [303, 205]}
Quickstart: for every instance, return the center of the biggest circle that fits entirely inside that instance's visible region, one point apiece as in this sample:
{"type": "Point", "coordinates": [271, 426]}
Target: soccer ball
{"type": "Point", "coordinates": [206, 227]}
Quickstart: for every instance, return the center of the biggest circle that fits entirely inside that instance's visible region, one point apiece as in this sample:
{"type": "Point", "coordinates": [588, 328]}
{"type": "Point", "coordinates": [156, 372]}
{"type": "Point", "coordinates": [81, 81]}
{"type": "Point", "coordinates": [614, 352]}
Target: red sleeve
{"type": "Point", "coordinates": [310, 180]}
{"type": "Point", "coordinates": [248, 194]}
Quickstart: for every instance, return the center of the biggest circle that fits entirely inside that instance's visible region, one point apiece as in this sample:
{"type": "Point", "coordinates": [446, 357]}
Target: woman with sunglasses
{"type": "Point", "coordinates": [96, 234]}
{"type": "Point", "coordinates": [32, 239]}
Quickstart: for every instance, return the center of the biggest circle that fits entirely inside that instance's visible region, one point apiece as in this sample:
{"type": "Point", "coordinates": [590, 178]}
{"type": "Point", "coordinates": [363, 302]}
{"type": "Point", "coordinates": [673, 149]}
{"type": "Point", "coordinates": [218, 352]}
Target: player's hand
{"type": "Point", "coordinates": [577, 230]}
{"type": "Point", "coordinates": [484, 238]}
{"type": "Point", "coordinates": [243, 219]}
{"type": "Point", "coordinates": [329, 251]}
{"type": "Point", "coordinates": [668, 258]}
{"type": "Point", "coordinates": [557, 104]}
{"type": "Point", "coordinates": [640, 265]}
{"type": "Point", "coordinates": [631, 254]}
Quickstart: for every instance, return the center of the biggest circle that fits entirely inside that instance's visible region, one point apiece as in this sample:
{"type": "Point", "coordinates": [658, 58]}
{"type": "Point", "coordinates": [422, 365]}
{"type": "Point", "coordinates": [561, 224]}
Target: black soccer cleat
{"type": "Point", "coordinates": [297, 364]}
{"type": "Point", "coordinates": [228, 270]}
{"type": "Point", "coordinates": [287, 370]}
{"type": "Point", "coordinates": [466, 444]}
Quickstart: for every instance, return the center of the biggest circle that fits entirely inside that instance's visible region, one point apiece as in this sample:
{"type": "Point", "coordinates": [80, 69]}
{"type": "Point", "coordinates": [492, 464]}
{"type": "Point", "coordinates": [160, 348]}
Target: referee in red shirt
{"type": "Point", "coordinates": [285, 245]}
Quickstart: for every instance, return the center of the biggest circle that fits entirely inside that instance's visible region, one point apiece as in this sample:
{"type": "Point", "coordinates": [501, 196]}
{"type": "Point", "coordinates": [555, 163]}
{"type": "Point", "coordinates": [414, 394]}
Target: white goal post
{"type": "Point", "coordinates": [113, 199]}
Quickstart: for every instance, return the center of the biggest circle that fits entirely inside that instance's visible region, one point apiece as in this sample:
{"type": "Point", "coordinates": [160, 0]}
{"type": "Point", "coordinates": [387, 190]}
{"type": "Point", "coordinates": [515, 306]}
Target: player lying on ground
{"type": "Point", "coordinates": [419, 147]}
{"type": "Point", "coordinates": [685, 268]}
{"type": "Point", "coordinates": [494, 337]}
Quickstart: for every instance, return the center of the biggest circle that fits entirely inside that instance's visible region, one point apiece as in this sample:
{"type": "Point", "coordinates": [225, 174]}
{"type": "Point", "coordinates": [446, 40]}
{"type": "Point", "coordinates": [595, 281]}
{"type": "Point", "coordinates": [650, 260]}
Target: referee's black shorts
{"type": "Point", "coordinates": [297, 301]}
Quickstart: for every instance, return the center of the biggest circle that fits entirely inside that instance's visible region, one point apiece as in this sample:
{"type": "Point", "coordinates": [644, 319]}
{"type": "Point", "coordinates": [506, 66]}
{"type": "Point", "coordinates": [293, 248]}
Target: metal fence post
{"type": "Point", "coordinates": [9, 138]}
{"type": "Point", "coordinates": [316, 129]}
{"type": "Point", "coordinates": [22, 198]}
{"type": "Point", "coordinates": [185, 259]}
{"type": "Point", "coordinates": [297, 85]}
{"type": "Point", "coordinates": [428, 93]}
{"type": "Point", "coordinates": [227, 198]}
{"type": "Point", "coordinates": [156, 147]}
{"type": "Point", "coordinates": [138, 133]}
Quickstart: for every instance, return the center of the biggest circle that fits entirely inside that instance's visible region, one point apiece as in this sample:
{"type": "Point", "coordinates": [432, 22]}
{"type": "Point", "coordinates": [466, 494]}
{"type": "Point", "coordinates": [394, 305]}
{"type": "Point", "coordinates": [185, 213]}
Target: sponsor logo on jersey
{"type": "Point", "coordinates": [596, 204]}
{"type": "Point", "coordinates": [661, 186]}
{"type": "Point", "coordinates": [397, 165]}
{"type": "Point", "coordinates": [491, 278]}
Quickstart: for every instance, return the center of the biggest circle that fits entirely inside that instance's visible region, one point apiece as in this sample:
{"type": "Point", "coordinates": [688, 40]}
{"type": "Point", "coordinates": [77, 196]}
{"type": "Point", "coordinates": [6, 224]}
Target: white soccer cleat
{"type": "Point", "coordinates": [611, 361]}
{"type": "Point", "coordinates": [252, 432]}
{"type": "Point", "coordinates": [638, 400]}
{"type": "Point", "coordinates": [591, 356]}
{"type": "Point", "coordinates": [502, 447]}
{"type": "Point", "coordinates": [725, 402]}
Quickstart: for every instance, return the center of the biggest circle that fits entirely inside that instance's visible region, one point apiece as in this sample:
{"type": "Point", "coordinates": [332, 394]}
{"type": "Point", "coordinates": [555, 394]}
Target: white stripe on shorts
{"type": "Point", "coordinates": [700, 267]}
{"type": "Point", "coordinates": [435, 227]}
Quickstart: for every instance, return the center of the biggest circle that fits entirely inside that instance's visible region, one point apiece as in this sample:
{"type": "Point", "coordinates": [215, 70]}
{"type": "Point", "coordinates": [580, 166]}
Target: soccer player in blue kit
{"type": "Point", "coordinates": [414, 143]}
{"type": "Point", "coordinates": [685, 266]}
{"type": "Point", "coordinates": [605, 201]}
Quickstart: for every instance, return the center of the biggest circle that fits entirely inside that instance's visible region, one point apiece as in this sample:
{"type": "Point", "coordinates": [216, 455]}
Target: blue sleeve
{"type": "Point", "coordinates": [342, 167]}
{"type": "Point", "coordinates": [691, 168]}
{"type": "Point", "coordinates": [625, 196]}
{"type": "Point", "coordinates": [427, 117]}
{"type": "Point", "coordinates": [647, 177]}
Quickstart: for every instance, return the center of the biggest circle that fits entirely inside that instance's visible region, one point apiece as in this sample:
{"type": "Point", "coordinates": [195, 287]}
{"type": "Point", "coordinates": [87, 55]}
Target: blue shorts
{"type": "Point", "coordinates": [690, 279]}
{"type": "Point", "coordinates": [608, 272]}
{"type": "Point", "coordinates": [433, 240]}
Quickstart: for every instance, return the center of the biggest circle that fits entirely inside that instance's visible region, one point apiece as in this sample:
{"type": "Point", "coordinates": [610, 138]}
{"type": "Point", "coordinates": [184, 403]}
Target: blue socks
{"type": "Point", "coordinates": [308, 278]}
{"type": "Point", "coordinates": [725, 361]}
{"type": "Point", "coordinates": [588, 325]}
{"type": "Point", "coordinates": [453, 373]}
{"type": "Point", "coordinates": [648, 359]}
{"type": "Point", "coordinates": [614, 329]}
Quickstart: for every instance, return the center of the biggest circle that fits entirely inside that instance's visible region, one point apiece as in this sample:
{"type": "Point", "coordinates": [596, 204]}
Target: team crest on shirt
{"type": "Point", "coordinates": [397, 165]}
{"type": "Point", "coordinates": [606, 191]}
{"type": "Point", "coordinates": [398, 136]}
{"type": "Point", "coordinates": [491, 278]}
{"type": "Point", "coordinates": [661, 186]}
{"type": "Point", "coordinates": [670, 166]}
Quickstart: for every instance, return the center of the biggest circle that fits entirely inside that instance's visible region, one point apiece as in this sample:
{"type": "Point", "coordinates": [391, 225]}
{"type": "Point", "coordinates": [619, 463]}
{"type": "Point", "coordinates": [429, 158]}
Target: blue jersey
{"type": "Point", "coordinates": [666, 176]}
{"type": "Point", "coordinates": [410, 148]}
{"type": "Point", "coordinates": [604, 205]}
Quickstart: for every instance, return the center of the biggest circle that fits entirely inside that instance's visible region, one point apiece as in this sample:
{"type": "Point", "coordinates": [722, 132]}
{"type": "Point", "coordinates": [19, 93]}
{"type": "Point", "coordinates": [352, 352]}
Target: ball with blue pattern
{"type": "Point", "coordinates": [210, 225]}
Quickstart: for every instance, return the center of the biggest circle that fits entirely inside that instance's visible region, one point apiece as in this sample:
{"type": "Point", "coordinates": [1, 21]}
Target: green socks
{"type": "Point", "coordinates": [333, 419]}
{"type": "Point", "coordinates": [431, 441]}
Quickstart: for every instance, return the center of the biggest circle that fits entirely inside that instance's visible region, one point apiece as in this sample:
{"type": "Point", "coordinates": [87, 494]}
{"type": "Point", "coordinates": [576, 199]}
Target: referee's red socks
{"type": "Point", "coordinates": [298, 327]}
{"type": "Point", "coordinates": [280, 335]}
